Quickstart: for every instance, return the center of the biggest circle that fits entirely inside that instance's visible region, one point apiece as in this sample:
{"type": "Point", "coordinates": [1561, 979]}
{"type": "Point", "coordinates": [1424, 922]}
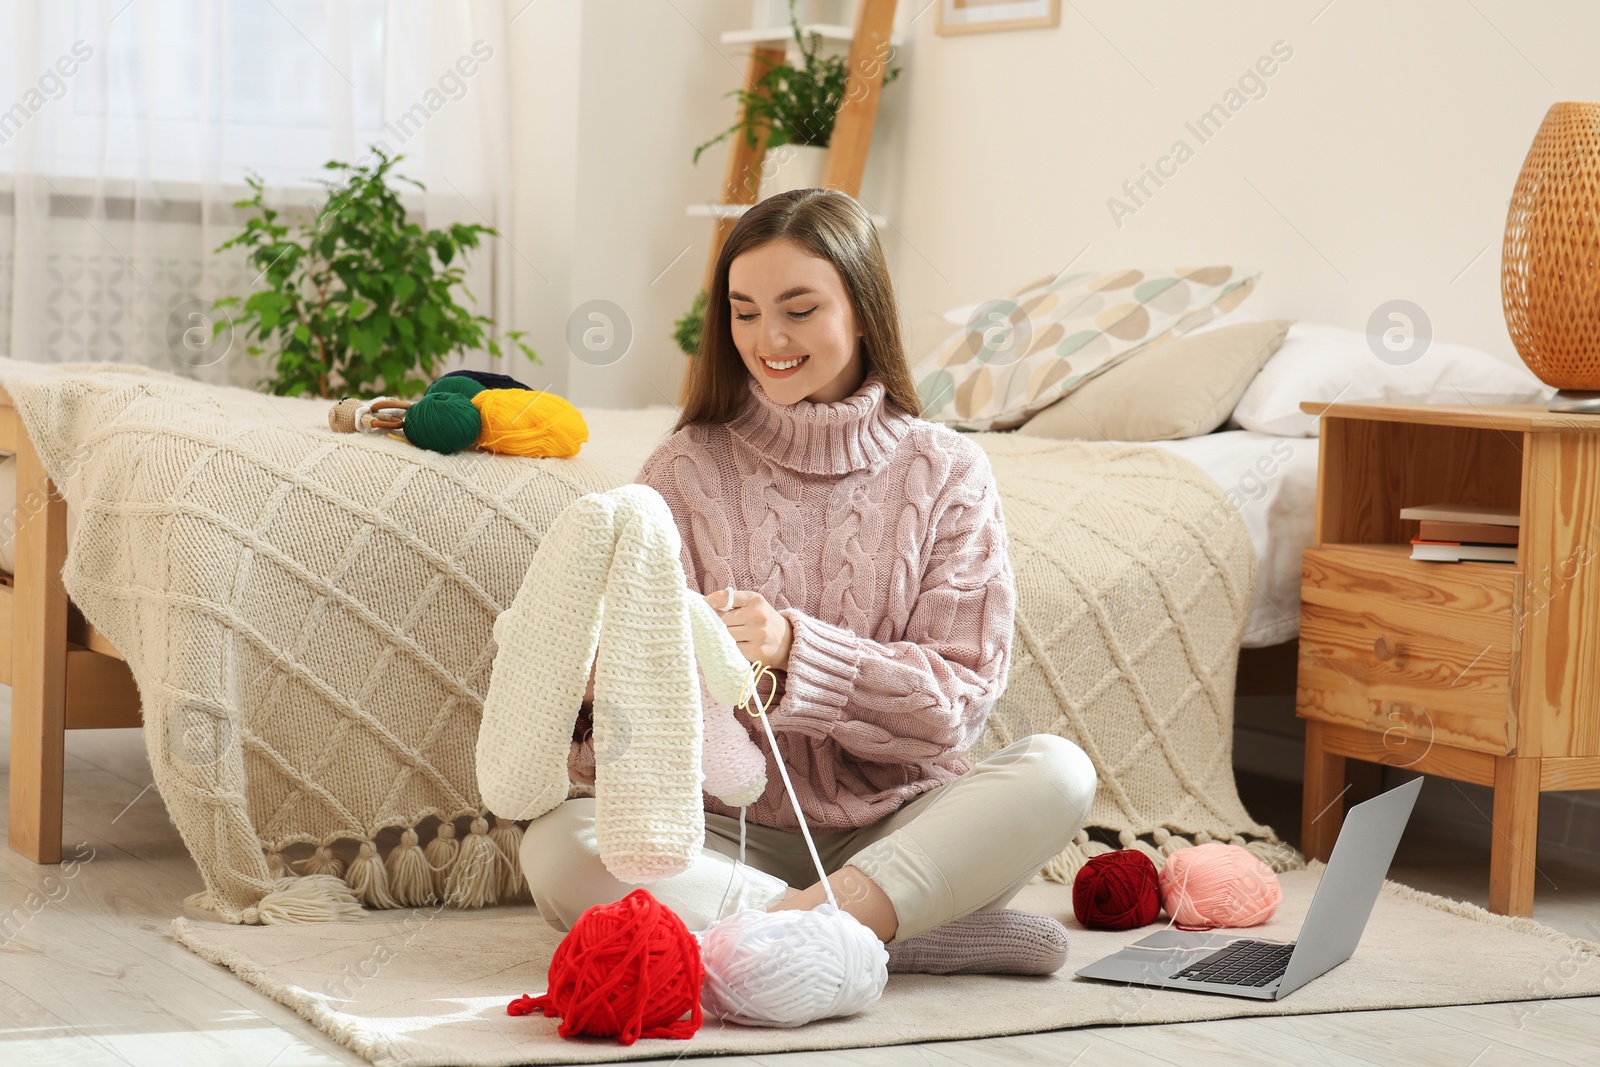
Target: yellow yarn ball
{"type": "Point", "coordinates": [529, 422]}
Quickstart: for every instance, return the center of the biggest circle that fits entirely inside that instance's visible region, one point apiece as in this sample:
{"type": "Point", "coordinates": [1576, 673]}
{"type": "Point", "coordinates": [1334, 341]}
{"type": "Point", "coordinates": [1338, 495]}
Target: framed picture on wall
{"type": "Point", "coordinates": [975, 16]}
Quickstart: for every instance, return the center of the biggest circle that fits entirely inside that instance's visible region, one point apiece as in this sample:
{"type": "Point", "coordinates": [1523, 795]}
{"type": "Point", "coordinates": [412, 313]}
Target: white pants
{"type": "Point", "coordinates": [968, 845]}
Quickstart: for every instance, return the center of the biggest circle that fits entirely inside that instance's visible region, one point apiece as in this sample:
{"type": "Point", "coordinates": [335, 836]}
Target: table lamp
{"type": "Point", "coordinates": [1550, 263]}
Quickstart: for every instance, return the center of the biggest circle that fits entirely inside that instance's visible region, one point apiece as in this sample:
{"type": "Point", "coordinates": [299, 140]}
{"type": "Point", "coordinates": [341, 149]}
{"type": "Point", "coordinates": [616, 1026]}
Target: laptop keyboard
{"type": "Point", "coordinates": [1251, 963]}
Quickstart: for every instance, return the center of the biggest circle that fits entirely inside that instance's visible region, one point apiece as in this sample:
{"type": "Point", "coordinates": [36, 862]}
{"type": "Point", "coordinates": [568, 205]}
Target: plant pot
{"type": "Point", "coordinates": [792, 166]}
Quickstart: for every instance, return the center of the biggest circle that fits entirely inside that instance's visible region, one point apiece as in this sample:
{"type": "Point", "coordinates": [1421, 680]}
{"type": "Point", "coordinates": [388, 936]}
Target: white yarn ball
{"type": "Point", "coordinates": [790, 967]}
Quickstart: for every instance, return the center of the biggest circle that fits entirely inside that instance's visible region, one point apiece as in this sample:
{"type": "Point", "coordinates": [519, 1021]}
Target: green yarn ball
{"type": "Point", "coordinates": [443, 421]}
{"type": "Point", "coordinates": [456, 383]}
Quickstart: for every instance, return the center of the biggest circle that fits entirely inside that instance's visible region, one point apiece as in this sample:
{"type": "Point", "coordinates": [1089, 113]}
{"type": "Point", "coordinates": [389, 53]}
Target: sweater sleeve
{"type": "Point", "coordinates": [925, 697]}
{"type": "Point", "coordinates": [580, 757]}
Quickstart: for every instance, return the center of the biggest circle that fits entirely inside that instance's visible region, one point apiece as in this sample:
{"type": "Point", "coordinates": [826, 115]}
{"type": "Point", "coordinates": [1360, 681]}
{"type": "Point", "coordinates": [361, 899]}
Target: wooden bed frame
{"type": "Point", "coordinates": [63, 674]}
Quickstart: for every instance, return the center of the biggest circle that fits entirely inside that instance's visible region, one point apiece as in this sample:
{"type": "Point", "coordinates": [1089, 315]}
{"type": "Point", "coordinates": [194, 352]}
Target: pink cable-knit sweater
{"type": "Point", "coordinates": [880, 536]}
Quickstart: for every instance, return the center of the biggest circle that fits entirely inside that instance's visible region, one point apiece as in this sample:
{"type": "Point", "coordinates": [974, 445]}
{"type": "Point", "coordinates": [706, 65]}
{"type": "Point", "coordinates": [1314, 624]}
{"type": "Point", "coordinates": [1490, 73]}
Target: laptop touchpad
{"type": "Point", "coordinates": [1185, 939]}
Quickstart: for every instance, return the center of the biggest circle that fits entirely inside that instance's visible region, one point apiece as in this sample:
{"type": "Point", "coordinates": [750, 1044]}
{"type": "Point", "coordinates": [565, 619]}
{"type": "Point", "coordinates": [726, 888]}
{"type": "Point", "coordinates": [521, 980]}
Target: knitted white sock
{"type": "Point", "coordinates": [547, 639]}
{"type": "Point", "coordinates": [649, 815]}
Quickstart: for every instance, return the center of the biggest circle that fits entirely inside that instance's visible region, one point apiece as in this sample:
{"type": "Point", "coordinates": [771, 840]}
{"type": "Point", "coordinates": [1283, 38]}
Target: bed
{"type": "Point", "coordinates": [304, 712]}
{"type": "Point", "coordinates": [1272, 480]}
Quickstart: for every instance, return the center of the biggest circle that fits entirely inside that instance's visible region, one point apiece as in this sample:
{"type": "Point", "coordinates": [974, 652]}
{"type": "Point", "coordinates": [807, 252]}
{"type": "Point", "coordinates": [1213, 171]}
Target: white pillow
{"type": "Point", "coordinates": [1326, 363]}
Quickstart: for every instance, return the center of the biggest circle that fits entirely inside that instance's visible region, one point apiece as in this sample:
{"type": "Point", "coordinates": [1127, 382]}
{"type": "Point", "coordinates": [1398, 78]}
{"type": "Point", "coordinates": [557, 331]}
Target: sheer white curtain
{"type": "Point", "coordinates": [127, 128]}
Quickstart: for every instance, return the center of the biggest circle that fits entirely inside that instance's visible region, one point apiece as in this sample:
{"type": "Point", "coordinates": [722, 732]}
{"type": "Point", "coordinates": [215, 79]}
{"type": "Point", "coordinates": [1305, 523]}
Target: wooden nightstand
{"type": "Point", "coordinates": [1480, 672]}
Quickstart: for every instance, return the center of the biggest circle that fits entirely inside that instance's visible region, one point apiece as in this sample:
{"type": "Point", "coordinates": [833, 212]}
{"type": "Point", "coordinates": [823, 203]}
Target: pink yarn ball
{"type": "Point", "coordinates": [1214, 884]}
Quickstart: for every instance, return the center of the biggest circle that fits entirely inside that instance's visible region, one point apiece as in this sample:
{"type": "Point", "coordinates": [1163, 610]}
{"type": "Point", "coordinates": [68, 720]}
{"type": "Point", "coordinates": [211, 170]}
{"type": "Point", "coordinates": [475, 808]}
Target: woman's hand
{"type": "Point", "coordinates": [759, 630]}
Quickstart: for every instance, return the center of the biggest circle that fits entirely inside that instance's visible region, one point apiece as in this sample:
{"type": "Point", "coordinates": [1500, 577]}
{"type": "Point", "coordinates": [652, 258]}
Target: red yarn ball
{"type": "Point", "coordinates": [625, 970]}
{"type": "Point", "coordinates": [1117, 891]}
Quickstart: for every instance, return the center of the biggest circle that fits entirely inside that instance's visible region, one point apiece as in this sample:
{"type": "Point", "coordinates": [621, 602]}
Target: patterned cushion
{"type": "Point", "coordinates": [1165, 391]}
{"type": "Point", "coordinates": [1019, 355]}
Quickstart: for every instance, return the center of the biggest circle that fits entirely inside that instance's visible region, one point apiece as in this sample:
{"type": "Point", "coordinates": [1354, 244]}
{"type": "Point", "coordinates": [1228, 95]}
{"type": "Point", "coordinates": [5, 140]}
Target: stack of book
{"type": "Point", "coordinates": [1455, 532]}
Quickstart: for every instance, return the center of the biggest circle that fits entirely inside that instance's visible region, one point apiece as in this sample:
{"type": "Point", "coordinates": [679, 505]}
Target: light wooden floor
{"type": "Point", "coordinates": [94, 977]}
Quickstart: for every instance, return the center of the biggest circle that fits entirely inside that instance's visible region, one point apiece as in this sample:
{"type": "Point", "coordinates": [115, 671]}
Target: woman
{"type": "Point", "coordinates": [861, 552]}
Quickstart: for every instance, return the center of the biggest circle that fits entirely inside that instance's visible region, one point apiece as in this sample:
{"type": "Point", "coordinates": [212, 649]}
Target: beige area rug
{"type": "Point", "coordinates": [427, 987]}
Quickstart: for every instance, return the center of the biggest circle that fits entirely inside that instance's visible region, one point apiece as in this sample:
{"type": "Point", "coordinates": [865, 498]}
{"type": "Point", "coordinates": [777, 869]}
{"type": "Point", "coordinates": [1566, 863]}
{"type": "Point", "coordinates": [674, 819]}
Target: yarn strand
{"type": "Point", "coordinates": [747, 700]}
{"type": "Point", "coordinates": [789, 967]}
{"type": "Point", "coordinates": [721, 914]}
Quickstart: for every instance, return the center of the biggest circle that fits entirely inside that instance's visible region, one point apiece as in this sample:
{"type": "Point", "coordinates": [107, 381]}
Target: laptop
{"type": "Point", "coordinates": [1233, 963]}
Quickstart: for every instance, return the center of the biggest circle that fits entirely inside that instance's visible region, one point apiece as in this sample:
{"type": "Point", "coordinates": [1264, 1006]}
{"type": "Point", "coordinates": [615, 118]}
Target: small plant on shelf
{"type": "Point", "coordinates": [359, 298]}
{"type": "Point", "coordinates": [686, 328]}
{"type": "Point", "coordinates": [794, 105]}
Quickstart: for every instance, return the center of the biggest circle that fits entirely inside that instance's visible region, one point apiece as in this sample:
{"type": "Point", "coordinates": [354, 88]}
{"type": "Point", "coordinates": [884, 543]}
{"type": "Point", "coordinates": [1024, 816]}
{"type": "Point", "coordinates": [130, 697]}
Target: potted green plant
{"type": "Point", "coordinates": [686, 328]}
{"type": "Point", "coordinates": [796, 107]}
{"type": "Point", "coordinates": [358, 299]}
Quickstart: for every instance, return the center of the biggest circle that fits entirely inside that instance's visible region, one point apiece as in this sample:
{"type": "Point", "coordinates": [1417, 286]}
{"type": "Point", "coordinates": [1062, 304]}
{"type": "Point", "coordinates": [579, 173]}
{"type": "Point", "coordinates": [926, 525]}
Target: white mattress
{"type": "Point", "coordinates": [1272, 480]}
{"type": "Point", "coordinates": [1273, 483]}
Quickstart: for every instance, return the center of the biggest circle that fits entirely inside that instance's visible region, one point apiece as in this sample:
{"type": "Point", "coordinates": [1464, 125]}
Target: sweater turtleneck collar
{"type": "Point", "coordinates": [860, 431]}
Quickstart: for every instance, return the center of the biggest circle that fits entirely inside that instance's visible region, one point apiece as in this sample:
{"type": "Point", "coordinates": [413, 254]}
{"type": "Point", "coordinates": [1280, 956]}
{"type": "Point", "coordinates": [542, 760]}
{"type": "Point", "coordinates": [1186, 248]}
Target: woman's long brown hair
{"type": "Point", "coordinates": [828, 224]}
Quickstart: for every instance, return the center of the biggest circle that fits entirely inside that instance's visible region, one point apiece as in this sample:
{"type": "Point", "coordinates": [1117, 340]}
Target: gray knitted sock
{"type": "Point", "coordinates": [984, 942]}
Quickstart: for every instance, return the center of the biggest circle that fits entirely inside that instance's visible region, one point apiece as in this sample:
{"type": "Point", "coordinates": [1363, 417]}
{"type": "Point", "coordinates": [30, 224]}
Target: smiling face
{"type": "Point", "coordinates": [786, 305]}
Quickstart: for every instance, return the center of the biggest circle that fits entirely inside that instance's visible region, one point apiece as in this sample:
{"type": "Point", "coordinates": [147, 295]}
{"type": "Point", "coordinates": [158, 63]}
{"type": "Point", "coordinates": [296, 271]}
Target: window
{"type": "Point", "coordinates": [169, 91]}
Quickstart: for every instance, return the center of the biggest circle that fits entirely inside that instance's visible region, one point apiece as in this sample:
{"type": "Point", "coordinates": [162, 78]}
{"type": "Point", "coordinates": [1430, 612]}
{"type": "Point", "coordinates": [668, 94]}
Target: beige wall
{"type": "Point", "coordinates": [1377, 164]}
{"type": "Point", "coordinates": [611, 97]}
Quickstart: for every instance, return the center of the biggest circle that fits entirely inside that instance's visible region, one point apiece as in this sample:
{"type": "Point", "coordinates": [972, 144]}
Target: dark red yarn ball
{"type": "Point", "coordinates": [1117, 891]}
{"type": "Point", "coordinates": [626, 970]}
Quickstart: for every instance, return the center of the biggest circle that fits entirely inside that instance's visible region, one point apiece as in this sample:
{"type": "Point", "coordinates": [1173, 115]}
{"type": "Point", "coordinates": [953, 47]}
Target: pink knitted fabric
{"type": "Point", "coordinates": [880, 536]}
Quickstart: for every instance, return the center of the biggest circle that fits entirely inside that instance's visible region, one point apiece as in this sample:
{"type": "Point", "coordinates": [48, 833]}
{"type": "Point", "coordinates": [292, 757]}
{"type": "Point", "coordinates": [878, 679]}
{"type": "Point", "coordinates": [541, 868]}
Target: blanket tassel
{"type": "Point", "coordinates": [1128, 840]}
{"type": "Point", "coordinates": [1063, 867]}
{"type": "Point", "coordinates": [277, 866]}
{"type": "Point", "coordinates": [369, 880]}
{"type": "Point", "coordinates": [485, 868]}
{"type": "Point", "coordinates": [475, 875]}
{"type": "Point", "coordinates": [1094, 848]}
{"type": "Point", "coordinates": [323, 861]}
{"type": "Point", "coordinates": [441, 856]}
{"type": "Point", "coordinates": [410, 878]}
{"type": "Point", "coordinates": [507, 838]}
{"type": "Point", "coordinates": [1279, 855]}
{"type": "Point", "coordinates": [1168, 842]}
{"type": "Point", "coordinates": [308, 898]}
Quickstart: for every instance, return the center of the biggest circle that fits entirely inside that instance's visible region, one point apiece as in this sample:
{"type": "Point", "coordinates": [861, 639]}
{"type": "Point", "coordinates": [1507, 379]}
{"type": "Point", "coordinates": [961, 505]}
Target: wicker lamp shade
{"type": "Point", "coordinates": [1550, 265]}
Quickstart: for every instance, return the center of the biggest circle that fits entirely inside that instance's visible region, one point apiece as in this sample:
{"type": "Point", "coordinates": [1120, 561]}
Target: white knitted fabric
{"type": "Point", "coordinates": [607, 579]}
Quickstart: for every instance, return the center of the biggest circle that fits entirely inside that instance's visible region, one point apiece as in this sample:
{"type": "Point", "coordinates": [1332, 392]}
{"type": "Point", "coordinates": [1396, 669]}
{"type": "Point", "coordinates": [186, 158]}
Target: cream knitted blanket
{"type": "Point", "coordinates": [1134, 580]}
{"type": "Point", "coordinates": [309, 620]}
